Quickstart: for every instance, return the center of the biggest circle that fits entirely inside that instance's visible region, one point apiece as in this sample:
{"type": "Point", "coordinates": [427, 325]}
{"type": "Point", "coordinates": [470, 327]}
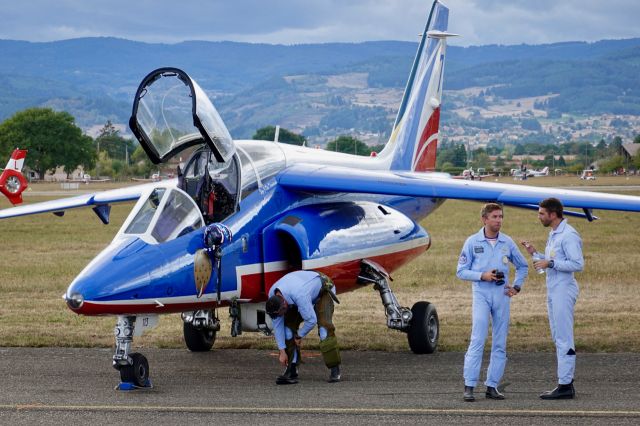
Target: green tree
{"type": "Point", "coordinates": [349, 145]}
{"type": "Point", "coordinates": [614, 163]}
{"type": "Point", "coordinates": [268, 133]}
{"type": "Point", "coordinates": [636, 139]}
{"type": "Point", "coordinates": [110, 141]}
{"type": "Point", "coordinates": [142, 166]}
{"type": "Point", "coordinates": [601, 149]}
{"type": "Point", "coordinates": [460, 155]}
{"type": "Point", "coordinates": [52, 138]}
{"type": "Point", "coordinates": [481, 159]}
{"type": "Point", "coordinates": [615, 147]}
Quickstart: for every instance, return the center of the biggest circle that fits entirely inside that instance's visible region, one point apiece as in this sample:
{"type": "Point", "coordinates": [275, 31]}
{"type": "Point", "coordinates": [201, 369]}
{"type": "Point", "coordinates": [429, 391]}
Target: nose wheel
{"type": "Point", "coordinates": [136, 373]}
{"type": "Point", "coordinates": [133, 367]}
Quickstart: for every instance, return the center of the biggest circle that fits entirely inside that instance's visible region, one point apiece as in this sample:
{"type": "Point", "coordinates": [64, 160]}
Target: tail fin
{"type": "Point", "coordinates": [414, 140]}
{"type": "Point", "coordinates": [12, 182]}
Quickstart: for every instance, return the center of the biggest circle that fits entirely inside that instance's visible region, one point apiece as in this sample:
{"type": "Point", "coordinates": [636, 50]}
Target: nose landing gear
{"type": "Point", "coordinates": [133, 367]}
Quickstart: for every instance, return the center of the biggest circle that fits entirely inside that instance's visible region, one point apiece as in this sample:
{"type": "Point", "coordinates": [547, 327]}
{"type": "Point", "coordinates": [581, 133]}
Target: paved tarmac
{"type": "Point", "coordinates": [64, 385]}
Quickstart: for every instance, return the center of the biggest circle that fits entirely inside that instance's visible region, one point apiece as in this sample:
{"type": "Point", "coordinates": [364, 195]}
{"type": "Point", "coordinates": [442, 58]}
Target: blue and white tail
{"type": "Point", "coordinates": [414, 140]}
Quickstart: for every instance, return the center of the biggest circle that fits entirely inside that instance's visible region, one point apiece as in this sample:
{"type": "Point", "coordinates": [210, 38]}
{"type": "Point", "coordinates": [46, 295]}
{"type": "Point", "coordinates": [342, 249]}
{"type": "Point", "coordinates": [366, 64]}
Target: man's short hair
{"type": "Point", "coordinates": [488, 208]}
{"type": "Point", "coordinates": [274, 305]}
{"type": "Point", "coordinates": [552, 205]}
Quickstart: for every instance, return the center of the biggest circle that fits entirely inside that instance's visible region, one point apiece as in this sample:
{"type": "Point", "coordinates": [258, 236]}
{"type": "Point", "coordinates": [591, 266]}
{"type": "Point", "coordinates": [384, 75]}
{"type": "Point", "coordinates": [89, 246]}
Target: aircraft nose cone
{"type": "Point", "coordinates": [74, 301]}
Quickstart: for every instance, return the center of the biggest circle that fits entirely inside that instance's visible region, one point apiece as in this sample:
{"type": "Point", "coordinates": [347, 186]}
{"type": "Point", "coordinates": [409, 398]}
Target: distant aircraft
{"type": "Point", "coordinates": [12, 182]}
{"type": "Point", "coordinates": [86, 178]}
{"type": "Point", "coordinates": [469, 174]}
{"type": "Point", "coordinates": [538, 173]}
{"type": "Point", "coordinates": [244, 213]}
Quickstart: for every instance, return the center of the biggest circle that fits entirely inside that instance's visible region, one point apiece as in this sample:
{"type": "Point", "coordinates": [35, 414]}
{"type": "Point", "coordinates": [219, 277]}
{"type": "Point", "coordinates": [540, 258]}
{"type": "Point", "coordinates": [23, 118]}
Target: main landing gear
{"type": "Point", "coordinates": [420, 322]}
{"type": "Point", "coordinates": [200, 329]}
{"type": "Point", "coordinates": [133, 367]}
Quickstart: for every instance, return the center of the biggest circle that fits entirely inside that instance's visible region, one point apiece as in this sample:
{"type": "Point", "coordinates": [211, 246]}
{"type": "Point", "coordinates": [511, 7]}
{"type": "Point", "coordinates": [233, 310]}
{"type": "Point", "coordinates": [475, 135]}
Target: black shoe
{"type": "Point", "coordinates": [289, 377]}
{"type": "Point", "coordinates": [561, 392]}
{"type": "Point", "coordinates": [468, 394]}
{"type": "Point", "coordinates": [335, 374]}
{"type": "Point", "coordinates": [493, 393]}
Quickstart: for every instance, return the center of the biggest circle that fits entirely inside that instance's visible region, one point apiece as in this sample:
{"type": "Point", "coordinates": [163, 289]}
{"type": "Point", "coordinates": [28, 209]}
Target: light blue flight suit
{"type": "Point", "coordinates": [302, 289]}
{"type": "Point", "coordinates": [489, 300]}
{"type": "Point", "coordinates": [564, 247]}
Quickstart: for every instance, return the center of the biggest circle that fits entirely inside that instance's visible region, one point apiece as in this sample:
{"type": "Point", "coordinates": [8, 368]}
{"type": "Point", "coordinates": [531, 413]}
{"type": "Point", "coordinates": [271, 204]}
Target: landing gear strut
{"type": "Point", "coordinates": [420, 322]}
{"type": "Point", "coordinates": [133, 367]}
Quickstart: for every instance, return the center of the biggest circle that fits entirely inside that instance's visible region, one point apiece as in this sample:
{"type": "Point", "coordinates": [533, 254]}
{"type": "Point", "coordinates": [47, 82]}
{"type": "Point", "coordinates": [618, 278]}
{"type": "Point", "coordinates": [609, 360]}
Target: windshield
{"type": "Point", "coordinates": [167, 214]}
{"type": "Point", "coordinates": [141, 221]}
{"type": "Point", "coordinates": [178, 217]}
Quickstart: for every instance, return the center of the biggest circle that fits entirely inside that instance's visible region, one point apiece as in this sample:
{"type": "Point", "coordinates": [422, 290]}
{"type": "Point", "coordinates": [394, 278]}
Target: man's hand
{"type": "Point", "coordinates": [283, 358]}
{"type": "Point", "coordinates": [298, 340]}
{"type": "Point", "coordinates": [510, 291]}
{"type": "Point", "coordinates": [528, 246]}
{"type": "Point", "coordinates": [489, 276]}
{"type": "Point", "coordinates": [541, 264]}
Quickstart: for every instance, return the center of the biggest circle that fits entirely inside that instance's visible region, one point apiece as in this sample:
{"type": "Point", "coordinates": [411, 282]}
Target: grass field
{"type": "Point", "coordinates": [42, 254]}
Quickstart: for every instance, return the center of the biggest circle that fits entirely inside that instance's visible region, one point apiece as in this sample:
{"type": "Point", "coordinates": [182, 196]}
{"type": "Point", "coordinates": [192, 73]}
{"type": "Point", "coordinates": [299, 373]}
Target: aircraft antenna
{"type": "Point", "coordinates": [276, 137]}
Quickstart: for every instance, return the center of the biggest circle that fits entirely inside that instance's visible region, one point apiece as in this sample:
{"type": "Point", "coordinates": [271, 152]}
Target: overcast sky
{"type": "Point", "coordinates": [316, 21]}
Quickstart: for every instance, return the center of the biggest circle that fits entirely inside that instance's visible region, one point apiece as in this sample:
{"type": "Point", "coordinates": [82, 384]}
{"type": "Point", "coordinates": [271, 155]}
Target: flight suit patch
{"type": "Point", "coordinates": [478, 249]}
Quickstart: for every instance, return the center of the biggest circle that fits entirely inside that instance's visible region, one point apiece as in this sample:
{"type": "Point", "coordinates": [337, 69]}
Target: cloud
{"type": "Point", "coordinates": [315, 21]}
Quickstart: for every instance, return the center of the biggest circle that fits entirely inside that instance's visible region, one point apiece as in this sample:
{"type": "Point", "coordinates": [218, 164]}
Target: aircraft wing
{"type": "Point", "coordinates": [340, 179]}
{"type": "Point", "coordinates": [97, 199]}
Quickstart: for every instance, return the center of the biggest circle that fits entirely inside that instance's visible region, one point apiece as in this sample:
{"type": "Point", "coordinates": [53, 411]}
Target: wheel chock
{"type": "Point", "coordinates": [129, 386]}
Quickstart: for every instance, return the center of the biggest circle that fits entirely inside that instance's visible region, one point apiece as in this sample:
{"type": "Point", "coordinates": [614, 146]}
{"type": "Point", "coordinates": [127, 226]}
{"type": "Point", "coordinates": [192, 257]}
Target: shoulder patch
{"type": "Point", "coordinates": [463, 259]}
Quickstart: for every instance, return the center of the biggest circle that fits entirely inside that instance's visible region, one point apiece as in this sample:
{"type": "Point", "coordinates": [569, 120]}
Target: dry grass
{"type": "Point", "coordinates": [42, 254]}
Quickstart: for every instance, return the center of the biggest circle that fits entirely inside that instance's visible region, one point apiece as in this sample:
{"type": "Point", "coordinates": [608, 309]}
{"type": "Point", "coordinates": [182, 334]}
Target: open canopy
{"type": "Point", "coordinates": [171, 113]}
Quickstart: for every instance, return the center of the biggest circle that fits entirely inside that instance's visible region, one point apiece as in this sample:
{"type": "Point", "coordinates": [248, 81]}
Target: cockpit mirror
{"type": "Point", "coordinates": [171, 113]}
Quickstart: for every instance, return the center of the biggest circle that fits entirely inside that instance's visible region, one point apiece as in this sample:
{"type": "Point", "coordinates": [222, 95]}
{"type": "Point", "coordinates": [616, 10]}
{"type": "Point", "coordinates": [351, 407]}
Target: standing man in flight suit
{"type": "Point", "coordinates": [303, 296]}
{"type": "Point", "coordinates": [485, 259]}
{"type": "Point", "coordinates": [562, 257]}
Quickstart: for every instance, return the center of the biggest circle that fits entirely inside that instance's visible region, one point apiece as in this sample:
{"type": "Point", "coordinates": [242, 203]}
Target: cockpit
{"type": "Point", "coordinates": [172, 113]}
{"type": "Point", "coordinates": [213, 185]}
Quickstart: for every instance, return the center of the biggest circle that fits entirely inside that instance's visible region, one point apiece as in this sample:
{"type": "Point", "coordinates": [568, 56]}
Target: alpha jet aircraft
{"type": "Point", "coordinates": [243, 213]}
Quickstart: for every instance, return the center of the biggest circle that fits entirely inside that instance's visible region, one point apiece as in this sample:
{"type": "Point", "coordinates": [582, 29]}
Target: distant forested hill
{"type": "Point", "coordinates": [95, 78]}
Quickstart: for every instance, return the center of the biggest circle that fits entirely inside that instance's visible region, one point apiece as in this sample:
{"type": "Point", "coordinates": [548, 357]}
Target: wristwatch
{"type": "Point", "coordinates": [551, 264]}
{"type": "Point", "coordinates": [516, 288]}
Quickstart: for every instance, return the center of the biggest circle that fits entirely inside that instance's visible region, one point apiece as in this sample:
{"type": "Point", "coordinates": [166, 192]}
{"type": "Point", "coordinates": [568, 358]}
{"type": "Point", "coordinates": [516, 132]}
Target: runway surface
{"type": "Point", "coordinates": [64, 385]}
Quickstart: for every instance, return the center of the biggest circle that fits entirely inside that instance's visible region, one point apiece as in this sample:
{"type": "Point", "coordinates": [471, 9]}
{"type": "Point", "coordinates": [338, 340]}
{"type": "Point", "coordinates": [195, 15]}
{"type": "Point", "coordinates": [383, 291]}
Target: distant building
{"type": "Point", "coordinates": [630, 150]}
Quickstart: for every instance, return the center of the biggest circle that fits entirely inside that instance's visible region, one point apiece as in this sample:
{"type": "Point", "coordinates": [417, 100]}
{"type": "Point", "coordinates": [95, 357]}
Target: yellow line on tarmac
{"type": "Point", "coordinates": [323, 410]}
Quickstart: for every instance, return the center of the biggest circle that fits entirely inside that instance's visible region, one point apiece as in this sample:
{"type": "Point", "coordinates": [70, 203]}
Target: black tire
{"type": "Point", "coordinates": [198, 340]}
{"type": "Point", "coordinates": [424, 329]}
{"type": "Point", "coordinates": [138, 373]}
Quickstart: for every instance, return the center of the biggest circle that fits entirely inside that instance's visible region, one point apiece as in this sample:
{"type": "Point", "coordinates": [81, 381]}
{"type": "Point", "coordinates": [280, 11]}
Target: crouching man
{"type": "Point", "coordinates": [303, 296]}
